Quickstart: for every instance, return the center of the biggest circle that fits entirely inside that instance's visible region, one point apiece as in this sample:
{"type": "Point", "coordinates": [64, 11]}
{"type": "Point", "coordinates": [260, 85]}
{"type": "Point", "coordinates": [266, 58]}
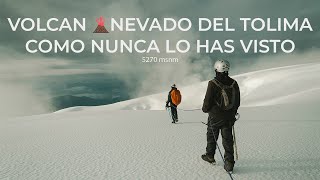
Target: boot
{"type": "Point", "coordinates": [208, 158]}
{"type": "Point", "coordinates": [228, 166]}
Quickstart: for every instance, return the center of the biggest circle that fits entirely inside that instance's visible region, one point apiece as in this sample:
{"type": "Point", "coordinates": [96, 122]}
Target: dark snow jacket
{"type": "Point", "coordinates": [217, 116]}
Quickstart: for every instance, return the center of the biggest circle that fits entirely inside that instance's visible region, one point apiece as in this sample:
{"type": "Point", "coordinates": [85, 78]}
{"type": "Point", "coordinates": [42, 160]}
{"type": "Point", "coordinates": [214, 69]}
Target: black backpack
{"type": "Point", "coordinates": [227, 95]}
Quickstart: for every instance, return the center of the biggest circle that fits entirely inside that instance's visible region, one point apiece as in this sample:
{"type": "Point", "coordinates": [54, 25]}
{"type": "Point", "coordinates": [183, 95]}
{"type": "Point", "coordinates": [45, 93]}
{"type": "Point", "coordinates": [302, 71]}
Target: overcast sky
{"type": "Point", "coordinates": [23, 73]}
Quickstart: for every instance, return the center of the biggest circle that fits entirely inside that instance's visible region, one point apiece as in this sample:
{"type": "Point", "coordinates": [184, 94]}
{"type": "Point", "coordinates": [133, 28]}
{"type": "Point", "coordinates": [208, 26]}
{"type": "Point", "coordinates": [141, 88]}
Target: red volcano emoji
{"type": "Point", "coordinates": [100, 28]}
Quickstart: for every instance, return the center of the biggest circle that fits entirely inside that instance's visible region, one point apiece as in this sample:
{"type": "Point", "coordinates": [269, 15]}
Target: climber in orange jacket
{"type": "Point", "coordinates": [174, 98]}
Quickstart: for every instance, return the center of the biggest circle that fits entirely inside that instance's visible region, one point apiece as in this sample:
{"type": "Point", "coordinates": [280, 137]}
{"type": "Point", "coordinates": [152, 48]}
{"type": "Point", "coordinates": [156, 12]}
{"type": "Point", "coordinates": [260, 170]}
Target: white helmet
{"type": "Point", "coordinates": [222, 66]}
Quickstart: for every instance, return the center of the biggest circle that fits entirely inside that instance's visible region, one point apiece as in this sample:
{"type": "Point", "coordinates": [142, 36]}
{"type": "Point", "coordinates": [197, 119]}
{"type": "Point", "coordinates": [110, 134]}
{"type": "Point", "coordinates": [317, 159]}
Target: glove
{"type": "Point", "coordinates": [167, 104]}
{"type": "Point", "coordinates": [237, 116]}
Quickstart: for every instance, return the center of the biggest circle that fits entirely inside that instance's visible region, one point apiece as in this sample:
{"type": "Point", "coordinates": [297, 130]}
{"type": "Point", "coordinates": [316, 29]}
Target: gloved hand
{"type": "Point", "coordinates": [167, 104]}
{"type": "Point", "coordinates": [237, 116]}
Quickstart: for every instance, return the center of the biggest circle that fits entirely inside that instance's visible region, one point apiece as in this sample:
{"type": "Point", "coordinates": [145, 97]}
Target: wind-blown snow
{"type": "Point", "coordinates": [277, 136]}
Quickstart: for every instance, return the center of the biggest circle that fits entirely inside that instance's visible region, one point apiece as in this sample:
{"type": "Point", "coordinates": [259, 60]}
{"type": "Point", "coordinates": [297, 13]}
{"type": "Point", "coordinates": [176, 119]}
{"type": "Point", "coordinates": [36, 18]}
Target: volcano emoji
{"type": "Point", "coordinates": [100, 28]}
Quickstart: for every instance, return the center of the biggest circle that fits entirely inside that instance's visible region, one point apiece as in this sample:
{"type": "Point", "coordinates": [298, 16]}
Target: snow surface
{"type": "Point", "coordinates": [277, 135]}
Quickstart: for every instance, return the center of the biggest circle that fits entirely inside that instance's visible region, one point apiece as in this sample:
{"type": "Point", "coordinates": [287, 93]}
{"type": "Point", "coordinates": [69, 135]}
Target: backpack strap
{"type": "Point", "coordinates": [217, 83]}
{"type": "Point", "coordinates": [222, 86]}
{"type": "Point", "coordinates": [233, 83]}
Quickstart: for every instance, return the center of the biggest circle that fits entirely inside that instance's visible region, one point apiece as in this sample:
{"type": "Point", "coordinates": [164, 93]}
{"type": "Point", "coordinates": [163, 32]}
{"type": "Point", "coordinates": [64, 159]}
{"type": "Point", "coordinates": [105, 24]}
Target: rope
{"type": "Point", "coordinates": [189, 109]}
{"type": "Point", "coordinates": [215, 139]}
{"type": "Point", "coordinates": [186, 109]}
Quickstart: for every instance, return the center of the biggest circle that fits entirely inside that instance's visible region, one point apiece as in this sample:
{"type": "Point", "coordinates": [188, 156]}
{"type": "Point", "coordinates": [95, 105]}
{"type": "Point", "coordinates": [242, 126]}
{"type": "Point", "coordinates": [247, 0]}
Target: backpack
{"type": "Point", "coordinates": [227, 95]}
{"type": "Point", "coordinates": [175, 97]}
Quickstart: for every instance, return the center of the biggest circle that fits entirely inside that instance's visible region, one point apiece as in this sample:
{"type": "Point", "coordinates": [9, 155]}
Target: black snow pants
{"type": "Point", "coordinates": [227, 140]}
{"type": "Point", "coordinates": [174, 112]}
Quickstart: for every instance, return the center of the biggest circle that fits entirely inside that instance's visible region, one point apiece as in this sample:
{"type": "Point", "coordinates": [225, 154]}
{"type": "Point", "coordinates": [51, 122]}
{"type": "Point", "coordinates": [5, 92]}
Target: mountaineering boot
{"type": "Point", "coordinates": [228, 166]}
{"type": "Point", "coordinates": [176, 120]}
{"type": "Point", "coordinates": [208, 158]}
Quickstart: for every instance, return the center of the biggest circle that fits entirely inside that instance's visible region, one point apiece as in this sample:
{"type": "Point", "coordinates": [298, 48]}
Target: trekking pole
{"type": "Point", "coordinates": [170, 115]}
{"type": "Point", "coordinates": [235, 143]}
{"type": "Point", "coordinates": [234, 138]}
{"type": "Point", "coordinates": [215, 139]}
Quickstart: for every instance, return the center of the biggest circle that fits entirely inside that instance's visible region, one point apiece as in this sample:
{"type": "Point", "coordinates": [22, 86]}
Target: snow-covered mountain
{"type": "Point", "coordinates": [283, 85]}
{"type": "Point", "coordinates": [277, 135]}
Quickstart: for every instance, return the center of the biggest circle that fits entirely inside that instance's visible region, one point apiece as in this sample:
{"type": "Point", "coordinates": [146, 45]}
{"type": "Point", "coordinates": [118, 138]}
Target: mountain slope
{"type": "Point", "coordinates": [277, 136]}
{"type": "Point", "coordinates": [283, 85]}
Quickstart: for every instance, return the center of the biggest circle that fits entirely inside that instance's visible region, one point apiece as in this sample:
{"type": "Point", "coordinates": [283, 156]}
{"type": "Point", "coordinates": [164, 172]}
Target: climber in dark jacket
{"type": "Point", "coordinates": [220, 119]}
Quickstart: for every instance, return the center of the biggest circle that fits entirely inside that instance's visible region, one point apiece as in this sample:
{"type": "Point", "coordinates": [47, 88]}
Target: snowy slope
{"type": "Point", "coordinates": [284, 85]}
{"type": "Point", "coordinates": [277, 136]}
